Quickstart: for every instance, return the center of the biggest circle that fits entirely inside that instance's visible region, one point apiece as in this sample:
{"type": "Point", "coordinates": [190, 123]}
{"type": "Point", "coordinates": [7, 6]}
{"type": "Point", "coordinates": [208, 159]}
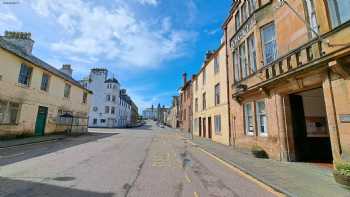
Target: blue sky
{"type": "Point", "coordinates": [146, 44]}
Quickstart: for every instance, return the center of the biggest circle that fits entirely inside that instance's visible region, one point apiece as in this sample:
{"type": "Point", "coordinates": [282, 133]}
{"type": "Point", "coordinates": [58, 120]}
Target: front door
{"type": "Point", "coordinates": [209, 127]}
{"type": "Point", "coordinates": [204, 128]}
{"type": "Point", "coordinates": [41, 121]}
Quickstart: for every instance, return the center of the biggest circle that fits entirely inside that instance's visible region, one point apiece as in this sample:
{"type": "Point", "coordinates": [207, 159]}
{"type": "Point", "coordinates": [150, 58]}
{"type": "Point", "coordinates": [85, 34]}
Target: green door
{"type": "Point", "coordinates": [41, 121]}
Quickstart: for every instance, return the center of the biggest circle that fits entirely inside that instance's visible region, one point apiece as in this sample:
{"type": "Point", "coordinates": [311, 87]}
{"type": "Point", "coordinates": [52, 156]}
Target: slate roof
{"type": "Point", "coordinates": [38, 62]}
{"type": "Point", "coordinates": [112, 80]}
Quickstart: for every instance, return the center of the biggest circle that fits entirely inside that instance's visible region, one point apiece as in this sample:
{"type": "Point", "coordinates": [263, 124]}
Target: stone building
{"type": "Point", "coordinates": [173, 113]}
{"type": "Point", "coordinates": [210, 99]}
{"type": "Point", "coordinates": [185, 119]}
{"type": "Point", "coordinates": [288, 68]}
{"type": "Point", "coordinates": [35, 97]}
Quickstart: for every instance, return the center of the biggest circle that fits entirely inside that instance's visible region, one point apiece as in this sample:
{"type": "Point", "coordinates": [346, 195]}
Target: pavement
{"type": "Point", "coordinates": [290, 178]}
{"type": "Point", "coordinates": [140, 162]}
{"type": "Point", "coordinates": [29, 140]}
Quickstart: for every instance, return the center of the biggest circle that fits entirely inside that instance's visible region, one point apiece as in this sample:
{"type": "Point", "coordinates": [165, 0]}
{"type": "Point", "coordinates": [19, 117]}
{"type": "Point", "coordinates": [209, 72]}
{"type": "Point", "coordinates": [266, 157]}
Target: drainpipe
{"type": "Point", "coordinates": [228, 94]}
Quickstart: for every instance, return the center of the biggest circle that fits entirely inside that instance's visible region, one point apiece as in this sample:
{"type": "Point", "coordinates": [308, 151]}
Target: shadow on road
{"type": "Point", "coordinates": [20, 153]}
{"type": "Point", "coordinates": [14, 187]}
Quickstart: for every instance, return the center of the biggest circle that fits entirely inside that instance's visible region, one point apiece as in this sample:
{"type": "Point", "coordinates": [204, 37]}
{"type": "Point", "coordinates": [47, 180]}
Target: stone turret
{"type": "Point", "coordinates": [20, 39]}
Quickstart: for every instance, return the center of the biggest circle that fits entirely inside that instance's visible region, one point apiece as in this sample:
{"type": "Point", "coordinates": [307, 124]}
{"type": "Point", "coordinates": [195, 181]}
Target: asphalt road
{"type": "Point", "coordinates": [141, 162]}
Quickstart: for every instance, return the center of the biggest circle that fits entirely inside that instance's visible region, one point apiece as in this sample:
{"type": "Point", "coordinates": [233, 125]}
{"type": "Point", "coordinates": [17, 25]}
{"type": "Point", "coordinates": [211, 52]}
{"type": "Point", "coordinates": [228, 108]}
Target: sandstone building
{"type": "Point", "coordinates": [289, 86]}
{"type": "Point", "coordinates": [185, 117]}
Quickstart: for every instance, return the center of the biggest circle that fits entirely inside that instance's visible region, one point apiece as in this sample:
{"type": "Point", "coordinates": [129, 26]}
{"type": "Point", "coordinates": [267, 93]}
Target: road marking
{"type": "Point", "coordinates": [187, 178]}
{"type": "Point", "coordinates": [195, 194]}
{"type": "Point", "coordinates": [261, 184]}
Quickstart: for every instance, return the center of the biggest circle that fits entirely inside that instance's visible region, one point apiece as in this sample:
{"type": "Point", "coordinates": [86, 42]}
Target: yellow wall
{"type": "Point", "coordinates": [209, 88]}
{"type": "Point", "coordinates": [32, 97]}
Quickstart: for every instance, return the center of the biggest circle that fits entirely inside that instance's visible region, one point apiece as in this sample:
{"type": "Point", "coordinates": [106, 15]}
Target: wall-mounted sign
{"type": "Point", "coordinates": [247, 27]}
{"type": "Point", "coordinates": [345, 118]}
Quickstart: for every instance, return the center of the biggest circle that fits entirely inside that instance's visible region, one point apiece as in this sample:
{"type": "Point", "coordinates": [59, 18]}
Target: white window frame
{"type": "Point", "coordinates": [243, 60]}
{"type": "Point", "coordinates": [271, 41]}
{"type": "Point", "coordinates": [258, 118]}
{"type": "Point", "coordinates": [246, 119]}
{"type": "Point", "coordinates": [236, 65]}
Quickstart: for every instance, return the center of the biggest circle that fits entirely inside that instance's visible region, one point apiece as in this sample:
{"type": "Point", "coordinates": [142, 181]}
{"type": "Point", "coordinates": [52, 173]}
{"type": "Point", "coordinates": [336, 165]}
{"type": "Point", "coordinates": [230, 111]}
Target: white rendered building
{"type": "Point", "coordinates": [108, 109]}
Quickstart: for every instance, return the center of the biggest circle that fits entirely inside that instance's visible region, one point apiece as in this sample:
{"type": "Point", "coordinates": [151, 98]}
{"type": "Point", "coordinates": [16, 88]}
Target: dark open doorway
{"type": "Point", "coordinates": [310, 130]}
{"type": "Point", "coordinates": [209, 127]}
{"type": "Point", "coordinates": [200, 127]}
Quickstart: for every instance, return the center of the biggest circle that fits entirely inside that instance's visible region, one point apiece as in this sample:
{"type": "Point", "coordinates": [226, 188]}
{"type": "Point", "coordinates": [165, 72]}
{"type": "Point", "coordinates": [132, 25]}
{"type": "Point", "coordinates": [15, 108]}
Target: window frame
{"type": "Point", "coordinates": [258, 118]}
{"type": "Point", "coordinates": [217, 94]}
{"type": "Point", "coordinates": [251, 54]}
{"type": "Point", "coordinates": [216, 65]}
{"type": "Point", "coordinates": [45, 88]}
{"type": "Point", "coordinates": [335, 7]}
{"type": "Point", "coordinates": [67, 90]}
{"type": "Point", "coordinates": [25, 80]}
{"type": "Point", "coordinates": [264, 42]}
{"type": "Point", "coordinates": [247, 130]}
{"type": "Point", "coordinates": [237, 70]}
{"type": "Point", "coordinates": [217, 124]}
{"type": "Point", "coordinates": [204, 101]}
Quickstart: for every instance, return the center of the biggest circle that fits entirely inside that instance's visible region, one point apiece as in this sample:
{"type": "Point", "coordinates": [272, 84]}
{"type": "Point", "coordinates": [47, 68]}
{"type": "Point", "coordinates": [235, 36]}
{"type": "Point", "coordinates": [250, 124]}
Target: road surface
{"type": "Point", "coordinates": [142, 162]}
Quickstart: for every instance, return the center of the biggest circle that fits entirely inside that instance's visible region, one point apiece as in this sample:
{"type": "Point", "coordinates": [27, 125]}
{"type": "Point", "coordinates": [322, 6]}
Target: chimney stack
{"type": "Point", "coordinates": [67, 69]}
{"type": "Point", "coordinates": [20, 39]}
{"type": "Point", "coordinates": [184, 78]}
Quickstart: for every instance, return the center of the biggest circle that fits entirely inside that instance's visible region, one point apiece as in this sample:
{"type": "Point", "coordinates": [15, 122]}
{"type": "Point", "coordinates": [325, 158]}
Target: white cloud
{"type": "Point", "coordinates": [149, 2]}
{"type": "Point", "coordinates": [9, 21]}
{"type": "Point", "coordinates": [115, 34]}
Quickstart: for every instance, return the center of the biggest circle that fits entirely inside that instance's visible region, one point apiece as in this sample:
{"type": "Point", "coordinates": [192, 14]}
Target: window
{"type": "Point", "coordinates": [217, 94]}
{"type": "Point", "coordinates": [204, 76]}
{"type": "Point", "coordinates": [113, 110]}
{"type": "Point", "coordinates": [237, 20]}
{"type": "Point", "coordinates": [252, 53]}
{"type": "Point", "coordinates": [248, 119]}
{"type": "Point", "coordinates": [196, 105]}
{"type": "Point", "coordinates": [236, 66]}
{"type": "Point", "coordinates": [204, 104]}
{"type": "Point", "coordinates": [312, 16]}
{"type": "Point", "coordinates": [245, 11]}
{"type": "Point", "coordinates": [106, 109]}
{"type": "Point", "coordinates": [252, 6]}
{"type": "Point", "coordinates": [217, 123]}
{"type": "Point", "coordinates": [95, 121]}
{"type": "Point", "coordinates": [339, 11]}
{"type": "Point", "coordinates": [44, 82]}
{"type": "Point", "coordinates": [108, 97]}
{"type": "Point", "coordinates": [103, 120]}
{"type": "Point", "coordinates": [184, 114]}
{"type": "Point", "coordinates": [24, 75]}
{"type": "Point", "coordinates": [216, 65]}
{"type": "Point", "coordinates": [85, 97]}
{"type": "Point", "coordinates": [261, 118]}
{"type": "Point", "coordinates": [9, 112]}
{"type": "Point", "coordinates": [67, 88]}
{"type": "Point", "coordinates": [269, 43]}
{"type": "Point", "coordinates": [243, 60]}
{"type": "Point", "coordinates": [3, 107]}
{"type": "Point", "coordinates": [113, 98]}
{"type": "Point", "coordinates": [94, 109]}
{"type": "Point", "coordinates": [196, 84]}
